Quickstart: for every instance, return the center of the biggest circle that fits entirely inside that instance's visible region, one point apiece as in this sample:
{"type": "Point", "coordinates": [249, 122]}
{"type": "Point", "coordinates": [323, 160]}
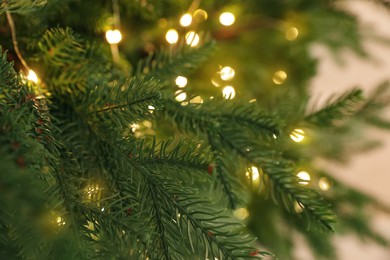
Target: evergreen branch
{"type": "Point", "coordinates": [345, 105]}
{"type": "Point", "coordinates": [183, 154]}
{"type": "Point", "coordinates": [219, 114]}
{"type": "Point", "coordinates": [7, 73]}
{"type": "Point", "coordinates": [279, 170]}
{"type": "Point", "coordinates": [378, 99]}
{"type": "Point", "coordinates": [21, 6]}
{"type": "Point", "coordinates": [231, 184]}
{"type": "Point", "coordinates": [176, 60]}
{"type": "Point", "coordinates": [283, 184]}
{"type": "Point", "coordinates": [176, 194]}
{"type": "Point", "coordinates": [122, 104]}
{"type": "Point", "coordinates": [72, 63]}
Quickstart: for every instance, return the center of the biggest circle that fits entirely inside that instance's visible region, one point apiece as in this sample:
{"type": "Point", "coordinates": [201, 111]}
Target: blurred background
{"type": "Point", "coordinates": [369, 171]}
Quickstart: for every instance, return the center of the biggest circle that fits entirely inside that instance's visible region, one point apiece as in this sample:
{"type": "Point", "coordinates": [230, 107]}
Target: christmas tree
{"type": "Point", "coordinates": [175, 130]}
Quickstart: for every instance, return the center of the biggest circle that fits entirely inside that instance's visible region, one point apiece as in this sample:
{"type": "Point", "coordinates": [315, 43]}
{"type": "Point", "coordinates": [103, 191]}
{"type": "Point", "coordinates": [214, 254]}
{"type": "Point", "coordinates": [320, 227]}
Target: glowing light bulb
{"type": "Point", "coordinates": [304, 177]}
{"type": "Point", "coordinates": [186, 20]}
{"type": "Point", "coordinates": [197, 100]}
{"type": "Point", "coordinates": [59, 221]}
{"type": "Point", "coordinates": [134, 127]}
{"type": "Point", "coordinates": [279, 77]}
{"type": "Point", "coordinates": [172, 36]}
{"type": "Point", "coordinates": [291, 34]}
{"type": "Point", "coordinates": [181, 81]}
{"type": "Point", "coordinates": [227, 73]}
{"type": "Point", "coordinates": [32, 76]}
{"type": "Point", "coordinates": [192, 38]}
{"type": "Point", "coordinates": [113, 36]}
{"type": "Point", "coordinates": [241, 213]}
{"type": "Point", "coordinates": [324, 184]}
{"type": "Point", "coordinates": [228, 92]}
{"type": "Point", "coordinates": [297, 135]}
{"type": "Point", "coordinates": [200, 15]}
{"type": "Point", "coordinates": [298, 207]}
{"type": "Point", "coordinates": [180, 96]}
{"type": "Point", "coordinates": [216, 80]}
{"type": "Point", "coordinates": [227, 18]}
{"type": "Point", "coordinates": [255, 173]}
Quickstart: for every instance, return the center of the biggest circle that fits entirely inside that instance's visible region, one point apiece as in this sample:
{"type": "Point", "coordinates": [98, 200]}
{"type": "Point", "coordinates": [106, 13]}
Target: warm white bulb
{"type": "Point", "coordinates": [32, 76]}
{"type": "Point", "coordinates": [228, 92]}
{"type": "Point", "coordinates": [291, 33]}
{"type": "Point", "coordinates": [192, 38]}
{"type": "Point", "coordinates": [324, 184]}
{"type": "Point", "coordinates": [297, 135]}
{"type": "Point", "coordinates": [186, 20]}
{"type": "Point", "coordinates": [279, 77]}
{"type": "Point", "coordinates": [304, 177]}
{"type": "Point", "coordinates": [227, 73]}
{"type": "Point", "coordinates": [172, 36]}
{"type": "Point", "coordinates": [113, 36]}
{"type": "Point", "coordinates": [241, 213]}
{"type": "Point", "coordinates": [200, 15]}
{"type": "Point", "coordinates": [180, 96]}
{"type": "Point", "coordinates": [227, 18]}
{"type": "Point", "coordinates": [197, 100]}
{"type": "Point", "coordinates": [255, 173]}
{"type": "Point", "coordinates": [181, 81]}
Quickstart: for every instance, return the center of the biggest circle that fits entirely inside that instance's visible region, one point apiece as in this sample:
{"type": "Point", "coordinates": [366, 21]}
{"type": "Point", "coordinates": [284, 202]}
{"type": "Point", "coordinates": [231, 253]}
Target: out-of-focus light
{"type": "Point", "coordinates": [181, 81]}
{"type": "Point", "coordinates": [200, 15]}
{"type": "Point", "coordinates": [186, 20]}
{"type": "Point", "coordinates": [192, 38]}
{"type": "Point", "coordinates": [291, 33]}
{"type": "Point", "coordinates": [228, 92]}
{"type": "Point", "coordinates": [279, 77]}
{"type": "Point", "coordinates": [241, 213]}
{"type": "Point", "coordinates": [150, 107]}
{"type": "Point", "coordinates": [298, 207]}
{"type": "Point", "coordinates": [59, 221]}
{"type": "Point", "coordinates": [197, 100]}
{"type": "Point", "coordinates": [304, 177]}
{"type": "Point", "coordinates": [134, 127]}
{"type": "Point", "coordinates": [255, 173]}
{"type": "Point", "coordinates": [32, 76]}
{"type": "Point", "coordinates": [180, 96]}
{"type": "Point", "coordinates": [227, 18]}
{"type": "Point", "coordinates": [227, 73]}
{"type": "Point", "coordinates": [216, 80]}
{"type": "Point", "coordinates": [162, 23]}
{"type": "Point", "coordinates": [324, 183]}
{"type": "Point", "coordinates": [113, 36]}
{"type": "Point", "coordinates": [172, 36]}
{"type": "Point", "coordinates": [297, 135]}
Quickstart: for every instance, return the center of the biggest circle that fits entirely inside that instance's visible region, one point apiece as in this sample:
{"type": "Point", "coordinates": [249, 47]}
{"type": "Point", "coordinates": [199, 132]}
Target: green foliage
{"type": "Point", "coordinates": [79, 179]}
{"type": "Point", "coordinates": [20, 6]}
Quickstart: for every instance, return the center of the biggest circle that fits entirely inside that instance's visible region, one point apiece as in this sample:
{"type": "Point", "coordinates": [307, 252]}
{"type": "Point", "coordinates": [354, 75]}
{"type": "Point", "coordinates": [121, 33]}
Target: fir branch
{"type": "Point", "coordinates": [345, 105]}
{"type": "Point", "coordinates": [171, 191]}
{"type": "Point", "coordinates": [21, 6]}
{"type": "Point", "coordinates": [280, 171]}
{"type": "Point", "coordinates": [173, 61]}
{"type": "Point", "coordinates": [283, 185]}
